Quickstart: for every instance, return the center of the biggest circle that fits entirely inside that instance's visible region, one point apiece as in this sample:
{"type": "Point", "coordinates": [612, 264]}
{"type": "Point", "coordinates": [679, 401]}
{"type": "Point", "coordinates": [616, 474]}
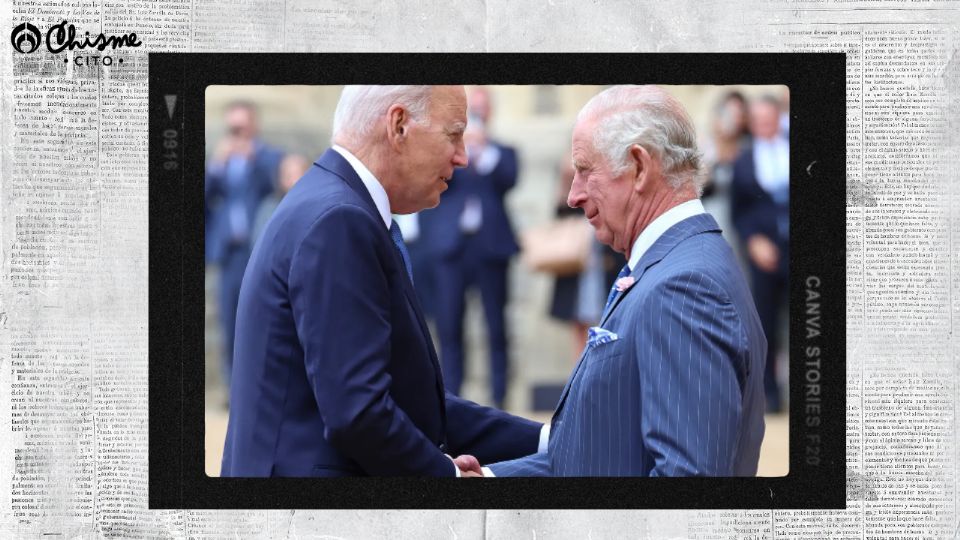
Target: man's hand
{"type": "Point", "coordinates": [469, 466]}
{"type": "Point", "coordinates": [763, 252]}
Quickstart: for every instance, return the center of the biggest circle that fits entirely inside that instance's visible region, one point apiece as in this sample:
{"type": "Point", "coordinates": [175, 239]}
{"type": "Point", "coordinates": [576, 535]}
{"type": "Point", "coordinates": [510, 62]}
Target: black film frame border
{"type": "Point", "coordinates": [817, 477]}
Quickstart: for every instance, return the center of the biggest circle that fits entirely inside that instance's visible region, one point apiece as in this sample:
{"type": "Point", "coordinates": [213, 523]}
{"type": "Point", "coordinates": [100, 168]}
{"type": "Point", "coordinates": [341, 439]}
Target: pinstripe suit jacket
{"type": "Point", "coordinates": [680, 392]}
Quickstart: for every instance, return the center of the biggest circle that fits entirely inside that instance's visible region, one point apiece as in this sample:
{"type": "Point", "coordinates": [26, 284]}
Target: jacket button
{"type": "Point", "coordinates": [443, 447]}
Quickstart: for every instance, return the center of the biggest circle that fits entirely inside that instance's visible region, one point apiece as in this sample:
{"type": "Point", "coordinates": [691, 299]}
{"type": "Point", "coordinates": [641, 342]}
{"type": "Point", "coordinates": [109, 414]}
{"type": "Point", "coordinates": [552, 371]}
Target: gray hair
{"type": "Point", "coordinates": [360, 107]}
{"type": "Point", "coordinates": [649, 117]}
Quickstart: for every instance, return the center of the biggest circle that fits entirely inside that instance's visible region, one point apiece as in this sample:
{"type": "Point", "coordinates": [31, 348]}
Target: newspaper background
{"type": "Point", "coordinates": [73, 250]}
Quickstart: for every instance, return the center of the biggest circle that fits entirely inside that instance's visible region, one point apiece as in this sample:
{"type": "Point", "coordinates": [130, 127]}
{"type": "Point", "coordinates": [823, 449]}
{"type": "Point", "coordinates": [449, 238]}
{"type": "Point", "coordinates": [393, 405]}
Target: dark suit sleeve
{"type": "Point", "coordinates": [747, 207]}
{"type": "Point", "coordinates": [689, 350]}
{"type": "Point", "coordinates": [338, 289]}
{"type": "Point", "coordinates": [488, 434]}
{"type": "Point", "coordinates": [267, 170]}
{"type": "Point", "coordinates": [504, 174]}
{"type": "Point", "coordinates": [213, 181]}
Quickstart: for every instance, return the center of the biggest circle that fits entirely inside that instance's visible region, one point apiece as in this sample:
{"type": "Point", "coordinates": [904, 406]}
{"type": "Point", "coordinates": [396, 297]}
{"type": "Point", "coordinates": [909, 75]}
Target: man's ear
{"type": "Point", "coordinates": [398, 125]}
{"type": "Point", "coordinates": [640, 166]}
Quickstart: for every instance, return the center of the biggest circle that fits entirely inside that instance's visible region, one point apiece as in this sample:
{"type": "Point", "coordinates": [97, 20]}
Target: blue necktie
{"type": "Point", "coordinates": [624, 272]}
{"type": "Point", "coordinates": [398, 241]}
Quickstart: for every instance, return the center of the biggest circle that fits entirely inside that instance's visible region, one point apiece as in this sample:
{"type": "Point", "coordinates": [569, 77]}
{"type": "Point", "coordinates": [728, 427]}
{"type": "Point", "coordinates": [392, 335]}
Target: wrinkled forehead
{"type": "Point", "coordinates": [584, 132]}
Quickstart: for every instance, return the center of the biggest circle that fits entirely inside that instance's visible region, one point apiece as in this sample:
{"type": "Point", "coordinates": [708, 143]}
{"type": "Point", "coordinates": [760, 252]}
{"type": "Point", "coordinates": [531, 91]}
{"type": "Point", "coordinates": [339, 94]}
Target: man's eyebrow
{"type": "Point", "coordinates": [458, 127]}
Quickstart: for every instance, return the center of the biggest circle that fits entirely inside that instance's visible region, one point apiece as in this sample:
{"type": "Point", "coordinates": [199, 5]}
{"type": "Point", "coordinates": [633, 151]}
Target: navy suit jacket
{"type": "Point", "coordinates": [441, 225]}
{"type": "Point", "coordinates": [334, 371]}
{"type": "Point", "coordinates": [261, 182]}
{"type": "Point", "coordinates": [680, 391]}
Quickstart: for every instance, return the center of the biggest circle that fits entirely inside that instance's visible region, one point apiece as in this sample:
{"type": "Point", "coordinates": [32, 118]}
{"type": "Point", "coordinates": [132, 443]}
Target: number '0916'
{"type": "Point", "coordinates": [170, 145]}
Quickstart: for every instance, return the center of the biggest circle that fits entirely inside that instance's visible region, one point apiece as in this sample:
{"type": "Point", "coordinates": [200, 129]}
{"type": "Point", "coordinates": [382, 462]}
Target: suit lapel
{"type": "Point", "coordinates": [566, 388]}
{"type": "Point", "coordinates": [414, 302]}
{"type": "Point", "coordinates": [668, 240]}
{"type": "Point", "coordinates": [691, 226]}
{"type": "Point", "coordinates": [332, 161]}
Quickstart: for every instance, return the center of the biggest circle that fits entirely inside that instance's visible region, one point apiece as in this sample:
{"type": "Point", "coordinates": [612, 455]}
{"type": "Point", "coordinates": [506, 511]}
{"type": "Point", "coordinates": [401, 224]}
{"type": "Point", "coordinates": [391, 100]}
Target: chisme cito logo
{"type": "Point", "coordinates": [27, 38]}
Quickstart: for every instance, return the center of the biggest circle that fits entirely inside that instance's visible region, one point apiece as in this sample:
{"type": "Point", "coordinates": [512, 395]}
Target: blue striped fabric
{"type": "Point", "coordinates": [679, 393]}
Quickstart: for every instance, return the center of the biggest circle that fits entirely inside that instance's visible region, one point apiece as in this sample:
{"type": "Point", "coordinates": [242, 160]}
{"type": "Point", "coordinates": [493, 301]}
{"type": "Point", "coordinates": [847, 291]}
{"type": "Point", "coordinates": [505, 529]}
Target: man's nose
{"type": "Point", "coordinates": [577, 195]}
{"type": "Point", "coordinates": [460, 156]}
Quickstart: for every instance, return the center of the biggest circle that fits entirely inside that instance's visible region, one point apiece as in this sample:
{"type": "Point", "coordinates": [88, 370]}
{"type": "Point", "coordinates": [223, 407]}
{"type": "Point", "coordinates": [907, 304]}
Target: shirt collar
{"type": "Point", "coordinates": [377, 193]}
{"type": "Point", "coordinates": [657, 227]}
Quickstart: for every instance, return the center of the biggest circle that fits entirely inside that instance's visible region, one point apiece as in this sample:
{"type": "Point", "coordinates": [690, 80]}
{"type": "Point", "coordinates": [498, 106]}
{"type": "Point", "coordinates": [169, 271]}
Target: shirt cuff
{"type": "Point", "coordinates": [487, 473]}
{"type": "Point", "coordinates": [544, 438]}
{"type": "Point", "coordinates": [455, 468]}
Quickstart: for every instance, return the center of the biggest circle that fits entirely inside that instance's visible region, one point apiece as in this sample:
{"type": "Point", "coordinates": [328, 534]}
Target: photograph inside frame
{"type": "Point", "coordinates": [565, 288]}
{"type": "Point", "coordinates": [538, 280]}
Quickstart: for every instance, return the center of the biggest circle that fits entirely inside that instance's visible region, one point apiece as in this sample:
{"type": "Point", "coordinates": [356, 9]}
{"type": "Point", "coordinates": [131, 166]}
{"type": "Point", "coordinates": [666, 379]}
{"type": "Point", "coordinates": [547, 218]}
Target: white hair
{"type": "Point", "coordinates": [649, 117]}
{"type": "Point", "coordinates": [360, 107]}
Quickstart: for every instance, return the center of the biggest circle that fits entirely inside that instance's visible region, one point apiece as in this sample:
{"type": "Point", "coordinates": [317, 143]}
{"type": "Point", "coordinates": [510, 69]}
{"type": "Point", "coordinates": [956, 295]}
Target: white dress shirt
{"type": "Point", "coordinates": [657, 227]}
{"type": "Point", "coordinates": [374, 187]}
{"type": "Point", "coordinates": [771, 160]}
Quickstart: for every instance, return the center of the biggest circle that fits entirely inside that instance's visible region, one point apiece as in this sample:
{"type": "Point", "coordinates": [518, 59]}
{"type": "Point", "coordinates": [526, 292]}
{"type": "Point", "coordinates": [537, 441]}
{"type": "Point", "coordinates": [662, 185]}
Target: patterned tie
{"type": "Point", "coordinates": [398, 241]}
{"type": "Point", "coordinates": [624, 272]}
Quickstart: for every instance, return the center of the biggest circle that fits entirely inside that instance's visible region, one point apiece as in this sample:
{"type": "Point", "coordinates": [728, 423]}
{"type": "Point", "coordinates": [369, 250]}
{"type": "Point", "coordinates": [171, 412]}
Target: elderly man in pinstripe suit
{"type": "Point", "coordinates": [671, 382]}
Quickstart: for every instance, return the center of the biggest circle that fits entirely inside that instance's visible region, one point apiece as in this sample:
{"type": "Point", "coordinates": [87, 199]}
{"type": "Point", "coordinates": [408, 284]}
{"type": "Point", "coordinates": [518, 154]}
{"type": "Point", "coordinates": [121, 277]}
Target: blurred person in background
{"type": "Point", "coordinates": [785, 112]}
{"type": "Point", "coordinates": [472, 241]}
{"type": "Point", "coordinates": [292, 167]}
{"type": "Point", "coordinates": [761, 214]}
{"type": "Point", "coordinates": [729, 135]}
{"type": "Point", "coordinates": [240, 175]}
{"type": "Point", "coordinates": [578, 299]}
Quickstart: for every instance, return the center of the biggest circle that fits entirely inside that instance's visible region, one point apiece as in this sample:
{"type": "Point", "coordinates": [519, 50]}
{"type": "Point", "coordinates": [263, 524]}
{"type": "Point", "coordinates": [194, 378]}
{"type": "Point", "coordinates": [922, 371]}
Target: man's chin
{"type": "Point", "coordinates": [432, 202]}
{"type": "Point", "coordinates": [603, 236]}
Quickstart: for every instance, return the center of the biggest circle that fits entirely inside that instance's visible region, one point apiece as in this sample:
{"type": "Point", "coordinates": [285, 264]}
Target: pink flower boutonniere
{"type": "Point", "coordinates": [624, 283]}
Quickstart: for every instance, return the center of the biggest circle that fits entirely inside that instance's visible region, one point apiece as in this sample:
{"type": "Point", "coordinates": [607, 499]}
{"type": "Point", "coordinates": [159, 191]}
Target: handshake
{"type": "Point", "coordinates": [469, 466]}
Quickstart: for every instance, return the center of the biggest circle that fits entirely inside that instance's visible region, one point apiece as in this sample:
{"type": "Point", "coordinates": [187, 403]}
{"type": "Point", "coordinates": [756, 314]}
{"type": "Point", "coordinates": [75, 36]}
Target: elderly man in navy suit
{"type": "Point", "coordinates": [334, 371]}
{"type": "Point", "coordinates": [671, 382]}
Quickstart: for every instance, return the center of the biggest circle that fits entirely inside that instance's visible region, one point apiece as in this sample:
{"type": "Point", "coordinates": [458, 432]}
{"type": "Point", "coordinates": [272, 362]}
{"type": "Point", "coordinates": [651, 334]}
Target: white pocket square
{"type": "Point", "coordinates": [598, 336]}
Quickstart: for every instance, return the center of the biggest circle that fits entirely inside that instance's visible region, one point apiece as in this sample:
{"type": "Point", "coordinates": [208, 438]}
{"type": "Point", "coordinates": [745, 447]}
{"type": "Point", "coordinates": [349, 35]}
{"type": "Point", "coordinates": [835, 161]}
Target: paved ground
{"type": "Point", "coordinates": [774, 459]}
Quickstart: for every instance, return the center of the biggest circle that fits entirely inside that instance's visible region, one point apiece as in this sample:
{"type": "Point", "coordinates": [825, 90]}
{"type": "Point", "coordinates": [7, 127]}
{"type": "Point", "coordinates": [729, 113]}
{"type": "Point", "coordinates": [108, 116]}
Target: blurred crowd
{"type": "Point", "coordinates": [468, 241]}
{"type": "Point", "coordinates": [749, 193]}
{"type": "Point", "coordinates": [245, 180]}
